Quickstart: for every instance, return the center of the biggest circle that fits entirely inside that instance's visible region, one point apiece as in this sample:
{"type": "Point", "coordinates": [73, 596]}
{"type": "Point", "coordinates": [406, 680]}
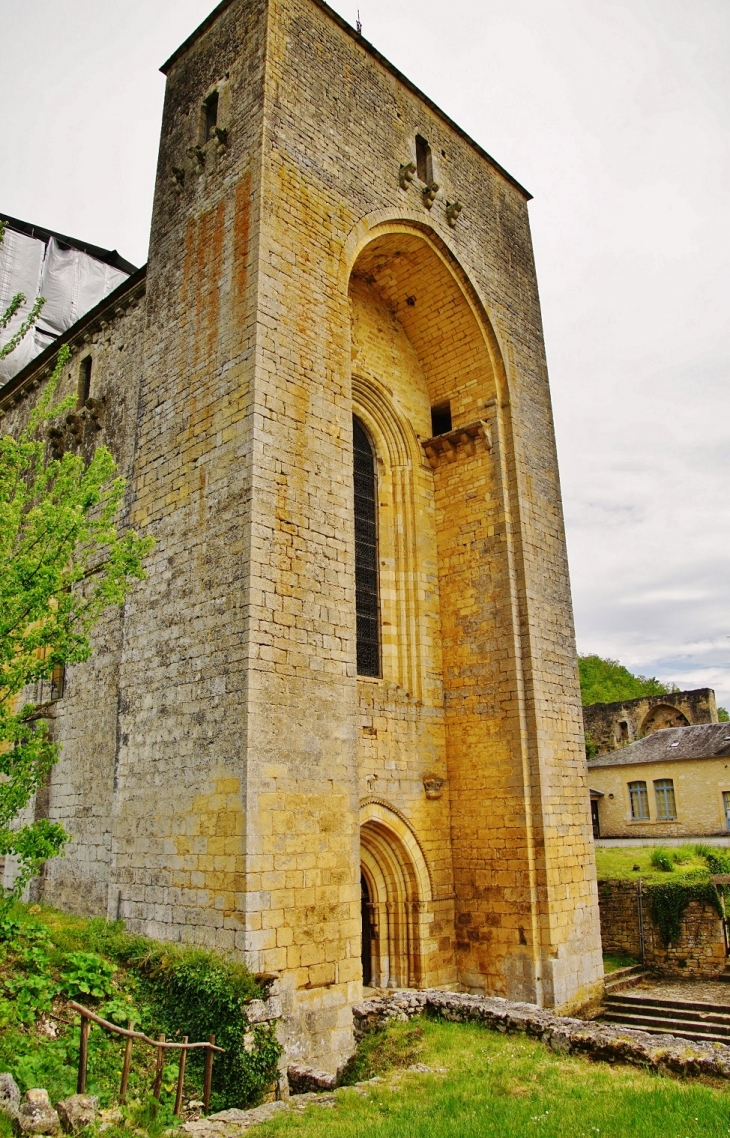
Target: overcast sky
{"type": "Point", "coordinates": [615, 116]}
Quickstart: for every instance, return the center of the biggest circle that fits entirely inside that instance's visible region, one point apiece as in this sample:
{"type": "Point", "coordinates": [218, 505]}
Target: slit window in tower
{"type": "Point", "coordinates": [441, 419]}
{"type": "Point", "coordinates": [424, 165]}
{"type": "Point", "coordinates": [366, 554]}
{"type": "Point", "coordinates": [211, 114]}
{"type": "Point", "coordinates": [84, 381]}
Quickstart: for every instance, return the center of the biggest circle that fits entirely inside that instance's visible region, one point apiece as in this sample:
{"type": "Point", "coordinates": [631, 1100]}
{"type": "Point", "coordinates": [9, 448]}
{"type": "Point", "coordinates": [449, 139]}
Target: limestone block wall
{"type": "Point", "coordinates": [699, 951]}
{"type": "Point", "coordinates": [334, 206]}
{"type": "Point", "coordinates": [178, 848]}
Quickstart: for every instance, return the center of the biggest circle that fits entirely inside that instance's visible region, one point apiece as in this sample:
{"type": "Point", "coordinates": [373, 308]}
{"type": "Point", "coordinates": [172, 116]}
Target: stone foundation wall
{"type": "Point", "coordinates": [663, 1053]}
{"type": "Point", "coordinates": [700, 950]}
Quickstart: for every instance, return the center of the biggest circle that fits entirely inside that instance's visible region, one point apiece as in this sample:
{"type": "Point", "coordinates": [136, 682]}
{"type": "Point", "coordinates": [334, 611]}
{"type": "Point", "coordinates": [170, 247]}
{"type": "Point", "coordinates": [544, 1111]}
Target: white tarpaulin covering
{"type": "Point", "coordinates": [21, 266]}
{"type": "Point", "coordinates": [71, 281]}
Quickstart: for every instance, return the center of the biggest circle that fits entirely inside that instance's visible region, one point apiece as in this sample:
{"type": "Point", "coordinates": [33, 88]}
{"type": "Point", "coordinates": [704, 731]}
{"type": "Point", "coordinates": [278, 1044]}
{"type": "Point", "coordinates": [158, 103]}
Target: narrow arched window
{"type": "Point", "coordinates": [366, 554]}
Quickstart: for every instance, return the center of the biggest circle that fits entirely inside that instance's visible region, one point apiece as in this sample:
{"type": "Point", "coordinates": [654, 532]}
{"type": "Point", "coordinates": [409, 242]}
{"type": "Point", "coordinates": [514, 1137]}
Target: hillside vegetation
{"type": "Point", "coordinates": [48, 958]}
{"type": "Point", "coordinates": [607, 681]}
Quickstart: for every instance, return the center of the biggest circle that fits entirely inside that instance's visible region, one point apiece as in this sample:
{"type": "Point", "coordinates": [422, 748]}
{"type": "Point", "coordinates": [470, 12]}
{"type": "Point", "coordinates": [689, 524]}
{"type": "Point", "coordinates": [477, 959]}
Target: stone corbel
{"type": "Point", "coordinates": [406, 174]}
{"type": "Point", "coordinates": [433, 785]}
{"type": "Point", "coordinates": [177, 177]}
{"type": "Point", "coordinates": [463, 438]}
{"type": "Point", "coordinates": [196, 154]}
{"type": "Point", "coordinates": [75, 427]}
{"type": "Point", "coordinates": [453, 209]}
{"type": "Point", "coordinates": [429, 194]}
{"type": "Point", "coordinates": [57, 436]}
{"type": "Point", "coordinates": [95, 412]}
{"type": "Point", "coordinates": [220, 134]}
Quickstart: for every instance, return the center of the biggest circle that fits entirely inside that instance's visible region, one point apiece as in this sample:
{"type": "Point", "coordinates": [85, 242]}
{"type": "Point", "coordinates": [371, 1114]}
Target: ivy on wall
{"type": "Point", "coordinates": [668, 903]}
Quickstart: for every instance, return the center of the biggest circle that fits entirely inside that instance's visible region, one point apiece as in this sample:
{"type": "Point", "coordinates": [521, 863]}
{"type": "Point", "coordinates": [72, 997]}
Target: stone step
{"type": "Point", "coordinates": [682, 1009]}
{"type": "Point", "coordinates": [708, 1033]}
{"type": "Point", "coordinates": [624, 978]}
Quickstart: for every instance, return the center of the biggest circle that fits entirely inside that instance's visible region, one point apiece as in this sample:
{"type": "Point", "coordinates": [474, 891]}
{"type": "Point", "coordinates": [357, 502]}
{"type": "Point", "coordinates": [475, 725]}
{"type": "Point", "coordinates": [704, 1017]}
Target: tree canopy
{"type": "Point", "coordinates": [607, 681]}
{"type": "Point", "coordinates": [64, 559]}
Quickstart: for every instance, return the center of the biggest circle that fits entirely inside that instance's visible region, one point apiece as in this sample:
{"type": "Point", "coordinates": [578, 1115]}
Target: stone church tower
{"type": "Point", "coordinates": [337, 731]}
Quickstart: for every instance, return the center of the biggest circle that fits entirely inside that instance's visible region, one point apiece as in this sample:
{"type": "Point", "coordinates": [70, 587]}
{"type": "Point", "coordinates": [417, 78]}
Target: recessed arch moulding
{"type": "Point", "coordinates": [453, 701]}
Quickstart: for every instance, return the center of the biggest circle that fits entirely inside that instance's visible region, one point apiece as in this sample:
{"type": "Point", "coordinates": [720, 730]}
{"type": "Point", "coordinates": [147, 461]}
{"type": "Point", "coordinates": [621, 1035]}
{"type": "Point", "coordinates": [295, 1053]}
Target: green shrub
{"type": "Point", "coordinates": [87, 975]}
{"type": "Point", "coordinates": [718, 862]}
{"type": "Point", "coordinates": [682, 855]}
{"type": "Point", "coordinates": [702, 849]}
{"type": "Point", "coordinates": [662, 859]}
{"type": "Point", "coordinates": [198, 995]}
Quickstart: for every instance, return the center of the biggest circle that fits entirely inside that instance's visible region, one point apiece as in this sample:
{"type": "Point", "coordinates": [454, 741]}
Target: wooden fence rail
{"type": "Point", "coordinates": [88, 1017]}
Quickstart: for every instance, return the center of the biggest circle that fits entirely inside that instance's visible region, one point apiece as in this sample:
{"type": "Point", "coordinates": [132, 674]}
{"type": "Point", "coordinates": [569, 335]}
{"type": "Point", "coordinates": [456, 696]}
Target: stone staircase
{"type": "Point", "coordinates": [624, 978]}
{"type": "Point", "coordinates": [709, 1023]}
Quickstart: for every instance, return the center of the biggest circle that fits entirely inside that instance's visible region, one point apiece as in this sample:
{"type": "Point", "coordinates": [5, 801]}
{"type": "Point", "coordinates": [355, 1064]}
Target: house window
{"type": "Point", "coordinates": [424, 165]}
{"type": "Point", "coordinates": [441, 419]}
{"type": "Point", "coordinates": [366, 554]}
{"type": "Point", "coordinates": [665, 804]}
{"type": "Point", "coordinates": [84, 390]}
{"type": "Point", "coordinates": [210, 111]}
{"type": "Point", "coordinates": [639, 799]}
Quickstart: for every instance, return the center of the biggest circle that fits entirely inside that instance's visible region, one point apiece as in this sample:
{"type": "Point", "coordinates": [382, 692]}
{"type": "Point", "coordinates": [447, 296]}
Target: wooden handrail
{"type": "Point", "coordinates": [87, 1014]}
{"type": "Point", "coordinates": [88, 1017]}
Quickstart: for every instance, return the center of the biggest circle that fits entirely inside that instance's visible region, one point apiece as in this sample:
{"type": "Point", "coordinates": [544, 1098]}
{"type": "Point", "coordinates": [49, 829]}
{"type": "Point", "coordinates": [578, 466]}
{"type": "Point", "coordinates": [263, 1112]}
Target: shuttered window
{"type": "Point", "coordinates": [366, 554]}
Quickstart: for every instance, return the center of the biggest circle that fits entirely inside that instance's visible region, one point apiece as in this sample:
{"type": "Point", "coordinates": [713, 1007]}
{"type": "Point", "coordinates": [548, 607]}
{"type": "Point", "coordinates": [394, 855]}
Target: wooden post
{"type": "Point", "coordinates": [83, 1055]}
{"type": "Point", "coordinates": [127, 1065]}
{"type": "Point", "coordinates": [180, 1078]}
{"type": "Point", "coordinates": [208, 1079]}
{"type": "Point", "coordinates": [158, 1073]}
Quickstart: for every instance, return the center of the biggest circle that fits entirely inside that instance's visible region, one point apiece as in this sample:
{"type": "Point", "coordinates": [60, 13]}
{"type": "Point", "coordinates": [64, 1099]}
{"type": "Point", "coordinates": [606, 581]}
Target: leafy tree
{"type": "Point", "coordinates": [722, 715]}
{"type": "Point", "coordinates": [607, 681]}
{"type": "Point", "coordinates": [63, 561]}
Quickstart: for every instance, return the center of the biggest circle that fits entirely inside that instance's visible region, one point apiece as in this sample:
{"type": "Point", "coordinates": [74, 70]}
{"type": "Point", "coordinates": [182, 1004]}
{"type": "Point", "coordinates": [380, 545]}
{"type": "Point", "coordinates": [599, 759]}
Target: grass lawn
{"type": "Point", "coordinates": [617, 863]}
{"type": "Point", "coordinates": [506, 1086]}
{"type": "Point", "coordinates": [613, 963]}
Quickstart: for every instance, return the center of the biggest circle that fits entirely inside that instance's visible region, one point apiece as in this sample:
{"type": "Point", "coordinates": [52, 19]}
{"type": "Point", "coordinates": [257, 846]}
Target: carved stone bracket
{"type": "Point", "coordinates": [406, 174]}
{"type": "Point", "coordinates": [433, 785]}
{"type": "Point", "coordinates": [453, 209]}
{"type": "Point", "coordinates": [463, 438]}
{"type": "Point", "coordinates": [429, 194]}
{"type": "Point", "coordinates": [196, 155]}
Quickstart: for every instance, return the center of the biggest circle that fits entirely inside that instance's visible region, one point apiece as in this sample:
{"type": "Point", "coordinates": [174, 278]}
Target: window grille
{"type": "Point", "coordinates": [639, 798]}
{"type": "Point", "coordinates": [366, 554]}
{"type": "Point", "coordinates": [666, 806]}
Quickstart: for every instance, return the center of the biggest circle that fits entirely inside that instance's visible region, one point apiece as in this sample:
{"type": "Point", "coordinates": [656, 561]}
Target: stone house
{"type": "Point", "coordinates": [674, 783]}
{"type": "Point", "coordinates": [612, 725]}
{"type": "Point", "coordinates": [337, 731]}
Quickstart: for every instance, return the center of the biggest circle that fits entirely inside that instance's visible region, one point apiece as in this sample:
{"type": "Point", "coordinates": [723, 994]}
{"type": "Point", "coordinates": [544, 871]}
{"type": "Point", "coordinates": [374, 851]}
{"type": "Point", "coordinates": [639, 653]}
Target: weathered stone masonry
{"type": "Point", "coordinates": [226, 775]}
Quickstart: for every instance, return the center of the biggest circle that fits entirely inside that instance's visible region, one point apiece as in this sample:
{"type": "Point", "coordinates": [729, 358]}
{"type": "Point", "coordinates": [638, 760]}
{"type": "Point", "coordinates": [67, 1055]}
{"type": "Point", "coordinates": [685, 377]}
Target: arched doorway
{"type": "Point", "coordinates": [395, 889]}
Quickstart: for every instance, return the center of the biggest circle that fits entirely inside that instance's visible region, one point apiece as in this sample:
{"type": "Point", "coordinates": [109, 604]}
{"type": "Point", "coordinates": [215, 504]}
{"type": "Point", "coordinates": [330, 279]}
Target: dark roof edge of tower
{"type": "Point", "coordinates": [368, 47]}
{"type": "Point", "coordinates": [108, 256]}
{"type": "Point", "coordinates": [14, 387]}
